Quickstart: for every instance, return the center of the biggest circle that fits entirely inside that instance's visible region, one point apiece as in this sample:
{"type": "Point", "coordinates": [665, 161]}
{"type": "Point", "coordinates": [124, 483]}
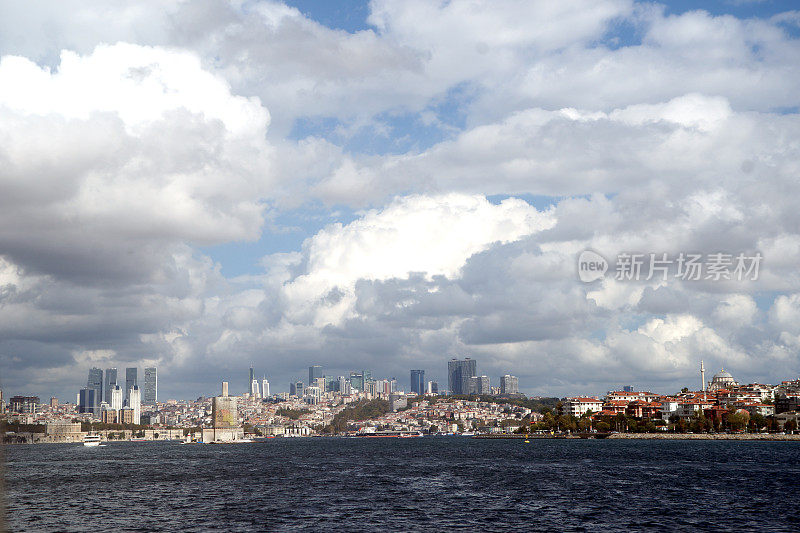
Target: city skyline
{"type": "Point", "coordinates": [426, 193]}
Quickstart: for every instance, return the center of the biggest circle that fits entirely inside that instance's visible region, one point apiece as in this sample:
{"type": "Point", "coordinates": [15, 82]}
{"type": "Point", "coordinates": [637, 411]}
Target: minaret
{"type": "Point", "coordinates": [703, 376]}
{"type": "Point", "coordinates": [703, 379]}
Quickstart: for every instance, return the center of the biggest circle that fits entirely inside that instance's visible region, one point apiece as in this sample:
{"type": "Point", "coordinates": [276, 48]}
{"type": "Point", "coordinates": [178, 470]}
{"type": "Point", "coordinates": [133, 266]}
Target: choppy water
{"type": "Point", "coordinates": [406, 484]}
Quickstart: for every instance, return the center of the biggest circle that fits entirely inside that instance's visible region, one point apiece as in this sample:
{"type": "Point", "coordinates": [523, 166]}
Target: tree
{"type": "Point", "coordinates": [790, 425]}
{"type": "Point", "coordinates": [603, 426]}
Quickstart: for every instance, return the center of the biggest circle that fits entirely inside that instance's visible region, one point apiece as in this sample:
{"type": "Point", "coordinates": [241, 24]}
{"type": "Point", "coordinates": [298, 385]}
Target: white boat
{"type": "Point", "coordinates": [91, 440]}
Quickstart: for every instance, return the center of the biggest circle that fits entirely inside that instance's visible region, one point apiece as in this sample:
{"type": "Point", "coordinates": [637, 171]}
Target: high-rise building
{"type": "Point", "coordinates": [135, 403]}
{"type": "Point", "coordinates": [344, 386]}
{"type": "Point", "coordinates": [111, 380]}
{"type": "Point", "coordinates": [95, 382]}
{"type": "Point", "coordinates": [479, 385]}
{"type": "Point", "coordinates": [357, 380]}
{"type": "Point", "coordinates": [418, 381]}
{"type": "Point", "coordinates": [459, 373]}
{"type": "Point", "coordinates": [86, 400]}
{"type": "Point", "coordinates": [2, 404]}
{"type": "Point", "coordinates": [254, 389]}
{"type": "Point", "coordinates": [264, 388]}
{"type": "Point", "coordinates": [509, 385]}
{"type": "Point", "coordinates": [314, 372]}
{"type": "Point", "coordinates": [432, 388]}
{"type": "Point", "coordinates": [117, 398]}
{"type": "Point", "coordinates": [296, 389]}
{"type": "Point", "coordinates": [53, 402]}
{"type": "Point", "coordinates": [250, 381]}
{"type": "Point", "coordinates": [131, 379]}
{"type": "Point", "coordinates": [150, 391]}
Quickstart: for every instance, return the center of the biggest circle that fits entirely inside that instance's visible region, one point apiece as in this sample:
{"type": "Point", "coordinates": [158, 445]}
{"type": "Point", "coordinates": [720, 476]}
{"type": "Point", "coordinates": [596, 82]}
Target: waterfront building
{"type": "Point", "coordinates": [131, 379]}
{"type": "Point", "coordinates": [509, 384]}
{"type": "Point", "coordinates": [579, 405]}
{"type": "Point", "coordinates": [224, 419]}
{"type": "Point", "coordinates": [86, 400]}
{"type": "Point", "coordinates": [314, 372]}
{"type": "Point", "coordinates": [150, 395]}
{"type": "Point", "coordinates": [418, 381]}
{"type": "Point", "coordinates": [264, 388]}
{"type": "Point", "coordinates": [459, 373]}
{"type": "Point", "coordinates": [135, 403]}
{"type": "Point", "coordinates": [111, 380]}
{"type": "Point", "coordinates": [95, 382]}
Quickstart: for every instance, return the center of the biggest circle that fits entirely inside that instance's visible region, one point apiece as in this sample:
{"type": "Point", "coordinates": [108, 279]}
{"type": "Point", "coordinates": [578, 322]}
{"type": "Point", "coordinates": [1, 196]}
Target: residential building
{"type": "Point", "coordinates": [578, 406]}
{"type": "Point", "coordinates": [509, 384]}
{"type": "Point", "coordinates": [26, 404]}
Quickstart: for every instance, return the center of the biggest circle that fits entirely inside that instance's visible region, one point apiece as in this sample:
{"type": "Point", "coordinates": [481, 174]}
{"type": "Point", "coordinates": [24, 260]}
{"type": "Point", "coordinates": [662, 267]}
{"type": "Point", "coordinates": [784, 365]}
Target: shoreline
{"type": "Point", "coordinates": [704, 436]}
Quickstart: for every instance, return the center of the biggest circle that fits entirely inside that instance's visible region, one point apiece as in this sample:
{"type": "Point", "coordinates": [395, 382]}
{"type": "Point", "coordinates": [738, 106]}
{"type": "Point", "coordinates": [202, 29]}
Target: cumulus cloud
{"type": "Point", "coordinates": [132, 135]}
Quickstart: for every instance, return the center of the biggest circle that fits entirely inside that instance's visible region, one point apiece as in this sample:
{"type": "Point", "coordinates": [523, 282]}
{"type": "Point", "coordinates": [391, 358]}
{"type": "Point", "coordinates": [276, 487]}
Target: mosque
{"type": "Point", "coordinates": [721, 380]}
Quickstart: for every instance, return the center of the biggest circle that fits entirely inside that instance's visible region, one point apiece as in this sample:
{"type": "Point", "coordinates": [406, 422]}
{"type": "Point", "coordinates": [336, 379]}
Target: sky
{"type": "Point", "coordinates": [204, 186]}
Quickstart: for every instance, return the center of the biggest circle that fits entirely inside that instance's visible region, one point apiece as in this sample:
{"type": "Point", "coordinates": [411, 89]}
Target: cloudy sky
{"type": "Point", "coordinates": [205, 185]}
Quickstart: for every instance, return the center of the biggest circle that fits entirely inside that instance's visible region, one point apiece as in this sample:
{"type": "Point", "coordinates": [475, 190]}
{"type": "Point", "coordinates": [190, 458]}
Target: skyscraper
{"type": "Point", "coordinates": [264, 388]}
{"type": "Point", "coordinates": [459, 373]}
{"type": "Point", "coordinates": [95, 382]}
{"type": "Point", "coordinates": [86, 400]}
{"type": "Point", "coordinates": [111, 380]}
{"type": "Point", "coordinates": [296, 389]}
{"type": "Point", "coordinates": [135, 403]}
{"type": "Point", "coordinates": [117, 398]}
{"type": "Point", "coordinates": [131, 379]}
{"type": "Point", "coordinates": [314, 372]}
{"type": "Point", "coordinates": [418, 381]}
{"type": "Point", "coordinates": [254, 389]}
{"type": "Point", "coordinates": [509, 385]}
{"type": "Point", "coordinates": [479, 385]}
{"type": "Point", "coordinates": [150, 385]}
{"type": "Point", "coordinates": [250, 381]}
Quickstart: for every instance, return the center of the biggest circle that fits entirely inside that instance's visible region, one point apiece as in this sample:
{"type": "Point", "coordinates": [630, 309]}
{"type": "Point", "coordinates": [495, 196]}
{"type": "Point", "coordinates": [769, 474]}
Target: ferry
{"type": "Point", "coordinates": [389, 434]}
{"type": "Point", "coordinates": [91, 440]}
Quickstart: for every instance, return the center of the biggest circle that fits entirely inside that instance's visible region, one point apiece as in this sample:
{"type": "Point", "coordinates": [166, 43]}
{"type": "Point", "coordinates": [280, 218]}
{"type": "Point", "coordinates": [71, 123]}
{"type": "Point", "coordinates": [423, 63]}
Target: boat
{"type": "Point", "coordinates": [389, 434]}
{"type": "Point", "coordinates": [91, 440]}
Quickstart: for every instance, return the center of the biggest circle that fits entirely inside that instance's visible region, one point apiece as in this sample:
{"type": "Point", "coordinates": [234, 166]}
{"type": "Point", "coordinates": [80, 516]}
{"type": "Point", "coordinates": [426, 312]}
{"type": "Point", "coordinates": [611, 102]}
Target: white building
{"type": "Point", "coordinates": [578, 406]}
{"type": "Point", "coordinates": [254, 389]}
{"type": "Point", "coordinates": [117, 397]}
{"type": "Point", "coordinates": [264, 388]}
{"type": "Point", "coordinates": [135, 403]}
